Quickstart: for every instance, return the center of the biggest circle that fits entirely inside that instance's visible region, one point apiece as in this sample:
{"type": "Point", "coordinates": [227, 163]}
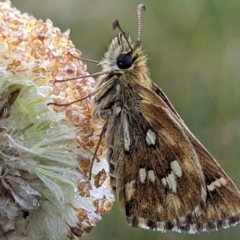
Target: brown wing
{"type": "Point", "coordinates": [223, 198]}
{"type": "Point", "coordinates": [154, 167]}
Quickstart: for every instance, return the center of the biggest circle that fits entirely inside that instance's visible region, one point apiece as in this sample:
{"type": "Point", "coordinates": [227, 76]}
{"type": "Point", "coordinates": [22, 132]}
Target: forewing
{"type": "Point", "coordinates": [154, 167]}
{"type": "Point", "coordinates": [223, 198]}
{"type": "Point", "coordinates": [222, 207]}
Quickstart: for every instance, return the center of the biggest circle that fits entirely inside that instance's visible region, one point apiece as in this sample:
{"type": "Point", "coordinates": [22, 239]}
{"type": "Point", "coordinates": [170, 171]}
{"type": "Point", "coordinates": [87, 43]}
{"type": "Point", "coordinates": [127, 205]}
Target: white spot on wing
{"type": "Point", "coordinates": [142, 223]}
{"type": "Point", "coordinates": [196, 211]}
{"type": "Point", "coordinates": [151, 176]}
{"type": "Point", "coordinates": [118, 110]}
{"type": "Point", "coordinates": [161, 226]}
{"type": "Point", "coordinates": [226, 223]}
{"type": "Point", "coordinates": [142, 175]}
{"type": "Point", "coordinates": [211, 186]}
{"type": "Point", "coordinates": [193, 228]}
{"type": "Point", "coordinates": [130, 189]}
{"type": "Point", "coordinates": [126, 135]}
{"type": "Point", "coordinates": [182, 220]}
{"type": "Point", "coordinates": [170, 181]}
{"type": "Point", "coordinates": [164, 182]}
{"type": "Point", "coordinates": [217, 184]}
{"type": "Point", "coordinates": [222, 181]}
{"type": "Point", "coordinates": [151, 137]}
{"type": "Point", "coordinates": [177, 170]}
{"type": "Point", "coordinates": [118, 88]}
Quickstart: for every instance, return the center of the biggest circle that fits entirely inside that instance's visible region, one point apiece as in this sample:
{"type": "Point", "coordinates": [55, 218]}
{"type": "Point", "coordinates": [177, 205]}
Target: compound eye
{"type": "Point", "coordinates": [124, 61]}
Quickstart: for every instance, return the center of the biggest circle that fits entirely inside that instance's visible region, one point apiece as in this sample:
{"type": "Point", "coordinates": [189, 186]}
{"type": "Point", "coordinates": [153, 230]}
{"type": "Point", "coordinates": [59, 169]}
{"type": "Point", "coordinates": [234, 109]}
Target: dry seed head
{"type": "Point", "coordinates": [45, 151]}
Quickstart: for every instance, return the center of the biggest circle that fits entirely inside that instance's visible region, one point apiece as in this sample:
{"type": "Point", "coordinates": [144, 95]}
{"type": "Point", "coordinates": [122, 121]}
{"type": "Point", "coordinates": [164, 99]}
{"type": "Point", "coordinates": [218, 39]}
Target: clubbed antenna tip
{"type": "Point", "coordinates": [115, 24]}
{"type": "Point", "coordinates": [141, 7]}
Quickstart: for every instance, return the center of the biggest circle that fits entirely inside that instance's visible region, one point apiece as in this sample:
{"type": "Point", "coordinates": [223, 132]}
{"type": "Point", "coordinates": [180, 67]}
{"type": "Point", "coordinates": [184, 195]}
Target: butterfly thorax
{"type": "Point", "coordinates": [121, 87]}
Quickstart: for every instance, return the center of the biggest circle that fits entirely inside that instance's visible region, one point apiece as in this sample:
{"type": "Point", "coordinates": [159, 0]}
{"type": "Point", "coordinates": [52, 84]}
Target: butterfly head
{"type": "Point", "coordinates": [127, 55]}
{"type": "Point", "coordinates": [122, 54]}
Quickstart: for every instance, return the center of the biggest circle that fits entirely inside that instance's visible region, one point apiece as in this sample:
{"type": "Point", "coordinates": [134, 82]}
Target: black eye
{"type": "Point", "coordinates": [124, 61]}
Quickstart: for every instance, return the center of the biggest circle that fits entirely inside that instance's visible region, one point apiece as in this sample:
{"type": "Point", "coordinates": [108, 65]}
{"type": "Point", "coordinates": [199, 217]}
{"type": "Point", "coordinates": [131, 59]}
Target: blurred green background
{"type": "Point", "coordinates": [194, 55]}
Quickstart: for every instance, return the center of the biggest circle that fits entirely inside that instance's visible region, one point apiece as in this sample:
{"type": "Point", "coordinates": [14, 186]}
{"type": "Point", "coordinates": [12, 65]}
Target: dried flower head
{"type": "Point", "coordinates": [46, 151]}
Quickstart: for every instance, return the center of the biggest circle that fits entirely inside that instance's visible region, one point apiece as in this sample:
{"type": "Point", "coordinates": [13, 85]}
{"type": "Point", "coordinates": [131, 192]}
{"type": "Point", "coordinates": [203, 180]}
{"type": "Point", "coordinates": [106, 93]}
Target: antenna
{"type": "Point", "coordinates": [141, 7]}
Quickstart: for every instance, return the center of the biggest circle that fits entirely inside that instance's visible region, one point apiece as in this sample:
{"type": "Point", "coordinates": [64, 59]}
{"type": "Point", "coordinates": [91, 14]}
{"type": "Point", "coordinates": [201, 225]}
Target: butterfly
{"type": "Point", "coordinates": [162, 175]}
